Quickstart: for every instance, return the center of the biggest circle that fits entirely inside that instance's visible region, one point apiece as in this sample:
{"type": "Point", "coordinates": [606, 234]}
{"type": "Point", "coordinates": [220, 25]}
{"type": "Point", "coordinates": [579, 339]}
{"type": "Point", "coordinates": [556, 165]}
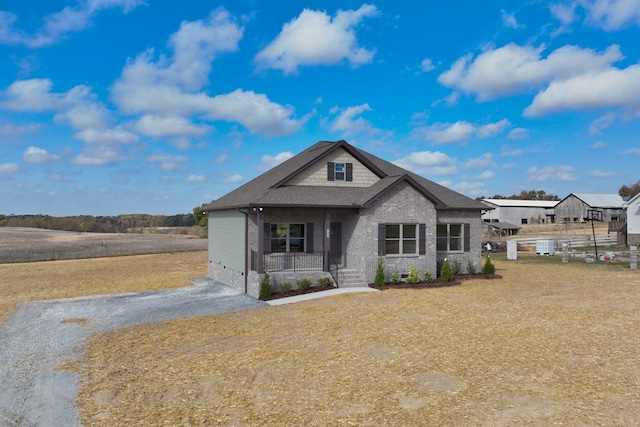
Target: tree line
{"type": "Point", "coordinates": [625, 191]}
{"type": "Point", "coordinates": [98, 224]}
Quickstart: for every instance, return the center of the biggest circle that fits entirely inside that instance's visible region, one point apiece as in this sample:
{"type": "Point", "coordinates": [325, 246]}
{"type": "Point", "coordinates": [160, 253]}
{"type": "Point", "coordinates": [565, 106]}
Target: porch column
{"type": "Point", "coordinates": [260, 242]}
{"type": "Point", "coordinates": [327, 240]}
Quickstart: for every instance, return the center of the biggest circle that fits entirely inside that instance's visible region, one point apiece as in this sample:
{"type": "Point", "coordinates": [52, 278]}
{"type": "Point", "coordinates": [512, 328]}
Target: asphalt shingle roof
{"type": "Point", "coordinates": [270, 189]}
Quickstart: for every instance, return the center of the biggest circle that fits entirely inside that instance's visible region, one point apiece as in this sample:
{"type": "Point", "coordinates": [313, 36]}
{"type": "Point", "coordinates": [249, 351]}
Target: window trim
{"type": "Point", "coordinates": [464, 238]}
{"type": "Point", "coordinates": [401, 239]}
{"type": "Point", "coordinates": [288, 236]}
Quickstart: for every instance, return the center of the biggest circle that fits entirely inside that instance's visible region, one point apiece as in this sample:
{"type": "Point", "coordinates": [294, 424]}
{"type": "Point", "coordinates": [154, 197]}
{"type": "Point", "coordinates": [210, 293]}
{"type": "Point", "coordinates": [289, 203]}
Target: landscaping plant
{"type": "Point", "coordinates": [471, 267]}
{"type": "Point", "coordinates": [413, 275]}
{"type": "Point", "coordinates": [395, 277]}
{"type": "Point", "coordinates": [265, 286]}
{"type": "Point", "coordinates": [284, 288]}
{"type": "Point", "coordinates": [379, 279]}
{"type": "Point", "coordinates": [456, 266]}
{"type": "Point", "coordinates": [304, 284]}
{"type": "Point", "coordinates": [446, 274]}
{"type": "Point", "coordinates": [427, 276]}
{"type": "Point", "coordinates": [488, 267]}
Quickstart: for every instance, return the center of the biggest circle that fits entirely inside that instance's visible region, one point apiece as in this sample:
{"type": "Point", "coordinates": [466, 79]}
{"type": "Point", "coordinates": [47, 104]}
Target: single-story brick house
{"type": "Point", "coordinates": [332, 211]}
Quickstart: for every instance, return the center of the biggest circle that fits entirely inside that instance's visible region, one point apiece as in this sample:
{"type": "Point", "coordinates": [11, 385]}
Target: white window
{"type": "Point", "coordinates": [339, 174]}
{"type": "Point", "coordinates": [449, 237]}
{"type": "Point", "coordinates": [287, 237]}
{"type": "Point", "coordinates": [401, 239]}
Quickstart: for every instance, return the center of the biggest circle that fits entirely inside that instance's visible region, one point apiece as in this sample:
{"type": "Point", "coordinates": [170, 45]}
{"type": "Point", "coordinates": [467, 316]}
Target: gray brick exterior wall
{"type": "Point", "coordinates": [402, 204]}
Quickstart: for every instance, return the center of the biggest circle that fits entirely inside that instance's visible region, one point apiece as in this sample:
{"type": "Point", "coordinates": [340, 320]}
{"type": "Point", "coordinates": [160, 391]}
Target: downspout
{"type": "Point", "coordinates": [246, 249]}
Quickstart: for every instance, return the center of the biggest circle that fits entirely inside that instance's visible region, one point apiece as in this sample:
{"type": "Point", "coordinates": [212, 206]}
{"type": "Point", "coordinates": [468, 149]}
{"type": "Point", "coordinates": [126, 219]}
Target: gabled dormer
{"type": "Point", "coordinates": [337, 168]}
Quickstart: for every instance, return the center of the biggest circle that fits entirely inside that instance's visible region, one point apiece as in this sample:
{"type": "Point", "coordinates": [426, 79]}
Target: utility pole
{"type": "Point", "coordinates": [594, 215]}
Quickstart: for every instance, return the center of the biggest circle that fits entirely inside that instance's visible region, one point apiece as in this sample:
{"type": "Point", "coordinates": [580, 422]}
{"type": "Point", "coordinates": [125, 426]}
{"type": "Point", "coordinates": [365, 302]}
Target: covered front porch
{"type": "Point", "coordinates": [302, 243]}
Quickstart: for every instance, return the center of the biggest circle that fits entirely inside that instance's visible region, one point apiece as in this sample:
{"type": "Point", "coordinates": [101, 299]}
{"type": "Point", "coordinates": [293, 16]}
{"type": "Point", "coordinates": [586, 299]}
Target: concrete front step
{"type": "Point", "coordinates": [351, 279]}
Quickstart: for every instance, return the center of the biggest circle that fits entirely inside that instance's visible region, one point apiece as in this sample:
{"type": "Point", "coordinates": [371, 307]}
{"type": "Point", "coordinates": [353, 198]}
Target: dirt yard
{"type": "Point", "coordinates": [544, 345]}
{"type": "Point", "coordinates": [73, 278]}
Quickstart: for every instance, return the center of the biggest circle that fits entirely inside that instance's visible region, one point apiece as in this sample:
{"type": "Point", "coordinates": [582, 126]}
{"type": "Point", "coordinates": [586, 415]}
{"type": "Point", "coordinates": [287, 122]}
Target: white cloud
{"type": "Point", "coordinates": [196, 178]}
{"type": "Point", "coordinates": [14, 131]}
{"type": "Point", "coordinates": [601, 174]}
{"type": "Point", "coordinates": [551, 173]}
{"type": "Point", "coordinates": [460, 131]}
{"type": "Point", "coordinates": [428, 163]}
{"type": "Point", "coordinates": [115, 135]}
{"type": "Point", "coordinates": [273, 161]}
{"type": "Point", "coordinates": [173, 87]}
{"type": "Point", "coordinates": [492, 129]}
{"type": "Point", "coordinates": [57, 25]}
{"type": "Point", "coordinates": [159, 125]}
{"type": "Point", "coordinates": [611, 87]}
{"type": "Point", "coordinates": [315, 38]}
{"type": "Point", "coordinates": [513, 69]}
{"type": "Point", "coordinates": [427, 65]}
{"type": "Point", "coordinates": [167, 162]}
{"type": "Point", "coordinates": [39, 155]}
{"type": "Point", "coordinates": [601, 123]}
{"type": "Point", "coordinates": [349, 122]}
{"type": "Point", "coordinates": [471, 188]}
{"type": "Point", "coordinates": [518, 133]}
{"type": "Point", "coordinates": [9, 169]}
{"type": "Point", "coordinates": [221, 159]}
{"type": "Point", "coordinates": [484, 161]}
{"type": "Point", "coordinates": [612, 15]}
{"type": "Point", "coordinates": [509, 19]}
{"type": "Point", "coordinates": [486, 175]}
{"type": "Point", "coordinates": [98, 155]}
{"type": "Point", "coordinates": [632, 151]}
{"type": "Point", "coordinates": [450, 100]}
{"type": "Point", "coordinates": [507, 151]}
{"type": "Point", "coordinates": [233, 179]}
{"type": "Point", "coordinates": [599, 144]}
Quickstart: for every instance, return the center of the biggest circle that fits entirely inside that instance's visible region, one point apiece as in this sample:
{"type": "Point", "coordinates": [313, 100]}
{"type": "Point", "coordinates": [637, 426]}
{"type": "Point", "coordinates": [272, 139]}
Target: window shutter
{"type": "Point", "coordinates": [349, 175]}
{"type": "Point", "coordinates": [330, 171]}
{"type": "Point", "coordinates": [266, 235]}
{"type": "Point", "coordinates": [422, 239]}
{"type": "Point", "coordinates": [308, 233]}
{"type": "Point", "coordinates": [467, 237]}
{"type": "Point", "coordinates": [382, 235]}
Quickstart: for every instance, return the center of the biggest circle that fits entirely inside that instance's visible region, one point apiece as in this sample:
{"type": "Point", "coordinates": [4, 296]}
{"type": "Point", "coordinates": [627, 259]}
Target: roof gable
{"type": "Point", "coordinates": [599, 200]}
{"type": "Point", "coordinates": [272, 189]}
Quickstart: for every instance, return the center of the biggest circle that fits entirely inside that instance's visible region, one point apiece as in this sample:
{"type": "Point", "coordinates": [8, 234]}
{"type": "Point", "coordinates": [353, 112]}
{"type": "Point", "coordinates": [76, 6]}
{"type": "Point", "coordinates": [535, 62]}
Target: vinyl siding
{"type": "Point", "coordinates": [226, 239]}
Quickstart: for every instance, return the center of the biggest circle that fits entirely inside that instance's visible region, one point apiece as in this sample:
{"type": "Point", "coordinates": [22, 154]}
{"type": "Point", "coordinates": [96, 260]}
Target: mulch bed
{"type": "Point", "coordinates": [437, 283]}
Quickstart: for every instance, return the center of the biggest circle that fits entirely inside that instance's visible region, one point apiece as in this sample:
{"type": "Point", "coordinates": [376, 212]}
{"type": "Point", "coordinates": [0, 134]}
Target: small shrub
{"type": "Point", "coordinates": [427, 276]}
{"type": "Point", "coordinates": [265, 286]}
{"type": "Point", "coordinates": [304, 284]}
{"type": "Point", "coordinates": [456, 266]}
{"type": "Point", "coordinates": [395, 277]}
{"type": "Point", "coordinates": [413, 275]}
{"type": "Point", "coordinates": [284, 288]}
{"type": "Point", "coordinates": [380, 280]}
{"type": "Point", "coordinates": [446, 274]}
{"type": "Point", "coordinates": [488, 267]}
{"type": "Point", "coordinates": [325, 282]}
{"type": "Point", "coordinates": [471, 267]}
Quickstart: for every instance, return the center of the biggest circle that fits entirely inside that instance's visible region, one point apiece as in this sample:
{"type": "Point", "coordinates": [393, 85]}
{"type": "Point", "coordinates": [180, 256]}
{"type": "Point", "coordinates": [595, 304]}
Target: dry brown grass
{"type": "Point", "coordinates": [545, 345]}
{"type": "Point", "coordinates": [73, 278]}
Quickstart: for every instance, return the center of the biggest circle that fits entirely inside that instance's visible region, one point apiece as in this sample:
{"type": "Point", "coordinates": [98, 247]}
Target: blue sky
{"type": "Point", "coordinates": [131, 106]}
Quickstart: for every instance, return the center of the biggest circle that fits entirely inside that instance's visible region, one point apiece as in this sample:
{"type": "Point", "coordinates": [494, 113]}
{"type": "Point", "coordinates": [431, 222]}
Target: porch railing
{"type": "Point", "coordinates": [290, 261]}
{"type": "Point", "coordinates": [334, 270]}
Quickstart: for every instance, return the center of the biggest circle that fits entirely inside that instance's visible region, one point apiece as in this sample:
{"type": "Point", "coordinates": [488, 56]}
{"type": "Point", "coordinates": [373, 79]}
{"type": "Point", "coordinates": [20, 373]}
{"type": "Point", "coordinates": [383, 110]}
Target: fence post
{"type": "Point", "coordinates": [565, 252]}
{"type": "Point", "coordinates": [512, 249]}
{"type": "Point", "coordinates": [634, 257]}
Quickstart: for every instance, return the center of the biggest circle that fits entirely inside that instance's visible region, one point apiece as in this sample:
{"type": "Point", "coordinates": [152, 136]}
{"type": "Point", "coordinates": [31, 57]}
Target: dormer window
{"type": "Point", "coordinates": [339, 171]}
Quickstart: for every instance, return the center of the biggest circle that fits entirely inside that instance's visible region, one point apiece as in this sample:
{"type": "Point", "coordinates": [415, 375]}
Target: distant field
{"type": "Point", "coordinates": [19, 244]}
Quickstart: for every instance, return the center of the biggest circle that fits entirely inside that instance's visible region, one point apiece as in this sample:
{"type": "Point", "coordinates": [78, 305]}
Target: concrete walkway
{"type": "Point", "coordinates": [314, 295]}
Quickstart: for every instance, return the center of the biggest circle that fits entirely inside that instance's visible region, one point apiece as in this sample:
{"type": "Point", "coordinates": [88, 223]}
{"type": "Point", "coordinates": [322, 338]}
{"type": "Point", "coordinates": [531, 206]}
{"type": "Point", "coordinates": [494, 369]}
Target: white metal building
{"type": "Point", "coordinates": [519, 212]}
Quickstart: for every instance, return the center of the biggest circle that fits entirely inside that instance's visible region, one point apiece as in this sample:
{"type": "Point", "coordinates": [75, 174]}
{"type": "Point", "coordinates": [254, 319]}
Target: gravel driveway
{"type": "Point", "coordinates": [39, 337]}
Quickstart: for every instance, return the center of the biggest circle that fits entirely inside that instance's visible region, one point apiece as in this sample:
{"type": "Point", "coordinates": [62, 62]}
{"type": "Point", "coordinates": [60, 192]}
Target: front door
{"type": "Point", "coordinates": [336, 243]}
